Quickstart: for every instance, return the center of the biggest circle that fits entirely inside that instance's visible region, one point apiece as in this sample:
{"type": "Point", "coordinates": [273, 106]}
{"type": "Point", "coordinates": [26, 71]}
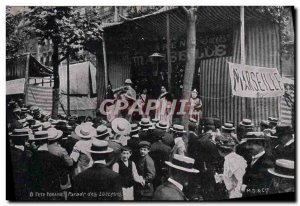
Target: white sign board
{"type": "Point", "coordinates": [255, 82]}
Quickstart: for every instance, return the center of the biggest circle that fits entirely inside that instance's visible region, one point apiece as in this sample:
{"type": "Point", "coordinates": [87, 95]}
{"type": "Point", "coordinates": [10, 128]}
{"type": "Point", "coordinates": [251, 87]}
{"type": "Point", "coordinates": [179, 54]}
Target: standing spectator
{"type": "Point", "coordinates": [99, 180]}
{"type": "Point", "coordinates": [286, 147]}
{"type": "Point", "coordinates": [180, 168]}
{"type": "Point", "coordinates": [179, 147]}
{"type": "Point", "coordinates": [163, 112]}
{"type": "Point", "coordinates": [146, 169]}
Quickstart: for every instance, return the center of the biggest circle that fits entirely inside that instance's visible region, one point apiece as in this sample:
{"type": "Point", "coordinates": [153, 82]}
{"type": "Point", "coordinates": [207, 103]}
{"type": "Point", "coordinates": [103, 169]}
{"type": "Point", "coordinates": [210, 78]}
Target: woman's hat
{"type": "Point", "coordinates": [100, 147]}
{"type": "Point", "coordinates": [178, 128]}
{"type": "Point", "coordinates": [145, 122]}
{"type": "Point", "coordinates": [195, 91]}
{"type": "Point", "coordinates": [121, 126]}
{"type": "Point", "coordinates": [225, 142]}
{"type": "Point", "coordinates": [228, 127]}
{"type": "Point", "coordinates": [85, 131]}
{"type": "Point", "coordinates": [145, 144]}
{"type": "Point", "coordinates": [283, 168]}
{"type": "Point", "coordinates": [102, 132]}
{"type": "Point", "coordinates": [162, 125]}
{"type": "Point", "coordinates": [54, 134]}
{"type": "Point", "coordinates": [182, 163]}
{"type": "Point", "coordinates": [134, 128]}
{"type": "Point", "coordinates": [247, 123]}
{"type": "Point", "coordinates": [128, 81]}
{"type": "Point", "coordinates": [40, 135]}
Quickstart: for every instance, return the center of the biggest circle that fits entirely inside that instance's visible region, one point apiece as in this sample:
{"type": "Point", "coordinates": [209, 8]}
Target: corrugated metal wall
{"type": "Point", "coordinates": [118, 69]}
{"type": "Point", "coordinates": [262, 49]}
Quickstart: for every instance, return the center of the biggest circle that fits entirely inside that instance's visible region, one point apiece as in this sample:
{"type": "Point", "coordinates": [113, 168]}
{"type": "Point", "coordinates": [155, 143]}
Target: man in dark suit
{"type": "Point", "coordinates": [180, 168]}
{"type": "Point", "coordinates": [257, 179]}
{"type": "Point", "coordinates": [159, 153]}
{"type": "Point", "coordinates": [99, 181]}
{"type": "Point", "coordinates": [286, 147]}
{"type": "Point", "coordinates": [44, 168]}
{"type": "Point", "coordinates": [19, 161]}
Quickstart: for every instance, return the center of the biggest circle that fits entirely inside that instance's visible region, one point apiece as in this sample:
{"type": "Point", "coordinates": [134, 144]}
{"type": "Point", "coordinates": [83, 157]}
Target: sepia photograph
{"type": "Point", "coordinates": [150, 103]}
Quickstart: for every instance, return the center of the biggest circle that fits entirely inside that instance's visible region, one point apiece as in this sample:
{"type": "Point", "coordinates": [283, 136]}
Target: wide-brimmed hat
{"type": "Point", "coordinates": [145, 144]}
{"type": "Point", "coordinates": [282, 130]}
{"type": "Point", "coordinates": [85, 131]}
{"type": "Point", "coordinates": [19, 133]}
{"type": "Point", "coordinates": [54, 134]}
{"type": "Point", "coordinates": [100, 147]}
{"type": "Point", "coordinates": [227, 127]}
{"type": "Point", "coordinates": [128, 81]}
{"type": "Point", "coordinates": [253, 137]}
{"type": "Point", "coordinates": [17, 109]}
{"type": "Point", "coordinates": [225, 142]}
{"type": "Point", "coordinates": [37, 126]}
{"type": "Point", "coordinates": [283, 168]}
{"type": "Point", "coordinates": [121, 126]}
{"type": "Point", "coordinates": [46, 126]}
{"type": "Point", "coordinates": [102, 132]}
{"type": "Point", "coordinates": [162, 125]}
{"type": "Point", "coordinates": [247, 123]}
{"type": "Point", "coordinates": [24, 109]}
{"type": "Point", "coordinates": [145, 122]}
{"type": "Point", "coordinates": [178, 128]}
{"type": "Point", "coordinates": [182, 163]}
{"type": "Point", "coordinates": [39, 135]}
{"type": "Point", "coordinates": [134, 128]}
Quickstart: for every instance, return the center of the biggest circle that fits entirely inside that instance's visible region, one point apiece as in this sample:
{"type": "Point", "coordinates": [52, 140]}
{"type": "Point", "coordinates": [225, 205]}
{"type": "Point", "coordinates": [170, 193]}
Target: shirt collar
{"type": "Point", "coordinates": [177, 139]}
{"type": "Point", "coordinates": [258, 155]}
{"type": "Point", "coordinates": [100, 162]}
{"type": "Point", "coordinates": [20, 147]}
{"type": "Point", "coordinates": [177, 184]}
{"type": "Point", "coordinates": [289, 142]}
{"type": "Point", "coordinates": [43, 147]}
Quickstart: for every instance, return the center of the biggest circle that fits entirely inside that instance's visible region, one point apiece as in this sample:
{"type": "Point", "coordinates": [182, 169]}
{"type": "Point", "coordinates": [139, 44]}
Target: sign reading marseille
{"type": "Point", "coordinates": [255, 82]}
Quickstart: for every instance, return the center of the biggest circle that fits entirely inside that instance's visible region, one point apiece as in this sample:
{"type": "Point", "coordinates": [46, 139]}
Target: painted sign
{"type": "Point", "coordinates": [255, 82]}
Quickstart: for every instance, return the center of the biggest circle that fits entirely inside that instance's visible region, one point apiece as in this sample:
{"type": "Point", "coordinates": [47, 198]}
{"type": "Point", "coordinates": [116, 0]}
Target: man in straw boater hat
{"type": "Point", "coordinates": [179, 147]}
{"type": "Point", "coordinates": [257, 179]}
{"type": "Point", "coordinates": [19, 161]}
{"type": "Point", "coordinates": [145, 124]}
{"type": "Point", "coordinates": [54, 147]}
{"type": "Point", "coordinates": [286, 143]}
{"type": "Point", "coordinates": [146, 169]}
{"type": "Point", "coordinates": [43, 168]}
{"type": "Point", "coordinates": [159, 153]}
{"type": "Point", "coordinates": [283, 176]}
{"type": "Point", "coordinates": [134, 141]}
{"type": "Point", "coordinates": [168, 138]}
{"type": "Point", "coordinates": [100, 181]}
{"type": "Point", "coordinates": [233, 169]}
{"type": "Point", "coordinates": [180, 168]}
{"type": "Point", "coordinates": [273, 122]}
{"type": "Point", "coordinates": [80, 153]}
{"type": "Point", "coordinates": [246, 125]}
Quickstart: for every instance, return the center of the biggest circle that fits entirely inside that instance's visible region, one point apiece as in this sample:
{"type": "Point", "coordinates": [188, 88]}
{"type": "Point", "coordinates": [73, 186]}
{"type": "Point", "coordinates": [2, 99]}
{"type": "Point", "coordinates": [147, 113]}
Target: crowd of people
{"type": "Point", "coordinates": [151, 159]}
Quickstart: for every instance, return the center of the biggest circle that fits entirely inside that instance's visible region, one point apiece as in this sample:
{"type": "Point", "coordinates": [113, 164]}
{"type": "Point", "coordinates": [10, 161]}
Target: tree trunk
{"type": "Point", "coordinates": [55, 99]}
{"type": "Point", "coordinates": [100, 76]}
{"type": "Point", "coordinates": [190, 59]}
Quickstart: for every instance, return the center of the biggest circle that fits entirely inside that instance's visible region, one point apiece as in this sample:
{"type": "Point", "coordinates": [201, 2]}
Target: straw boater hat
{"type": "Point", "coordinates": [145, 122]}
{"type": "Point", "coordinates": [100, 147]}
{"type": "Point", "coordinates": [46, 126]}
{"type": "Point", "coordinates": [121, 126]}
{"type": "Point", "coordinates": [247, 123]}
{"type": "Point", "coordinates": [283, 168]}
{"type": "Point", "coordinates": [54, 134]}
{"type": "Point", "coordinates": [178, 128]}
{"type": "Point", "coordinates": [85, 131]}
{"type": "Point", "coordinates": [162, 125]}
{"type": "Point", "coordinates": [273, 120]}
{"type": "Point", "coordinates": [17, 109]}
{"type": "Point", "coordinates": [40, 135]}
{"type": "Point", "coordinates": [19, 133]}
{"type": "Point", "coordinates": [182, 163]}
{"type": "Point", "coordinates": [154, 120]}
{"type": "Point", "coordinates": [128, 81]}
{"type": "Point", "coordinates": [36, 127]}
{"type": "Point", "coordinates": [24, 109]}
{"type": "Point", "coordinates": [134, 128]}
{"type": "Point", "coordinates": [253, 137]}
{"type": "Point", "coordinates": [228, 127]}
{"type": "Point", "coordinates": [102, 132]}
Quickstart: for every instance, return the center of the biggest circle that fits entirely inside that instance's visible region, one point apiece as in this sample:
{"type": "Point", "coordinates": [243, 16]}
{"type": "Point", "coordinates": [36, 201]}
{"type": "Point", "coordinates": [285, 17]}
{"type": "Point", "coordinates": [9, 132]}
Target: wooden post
{"type": "Point", "coordinates": [104, 62]}
{"type": "Point", "coordinates": [169, 54]}
{"type": "Point", "coordinates": [246, 101]}
{"type": "Point", "coordinates": [26, 78]}
{"type": "Point", "coordinates": [68, 85]}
